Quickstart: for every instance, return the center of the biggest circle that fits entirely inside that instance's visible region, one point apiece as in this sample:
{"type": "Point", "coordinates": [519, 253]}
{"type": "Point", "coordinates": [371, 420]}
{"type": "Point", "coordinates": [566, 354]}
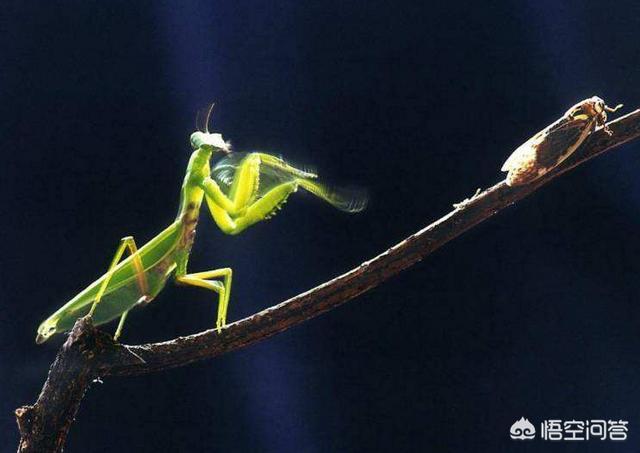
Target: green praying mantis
{"type": "Point", "coordinates": [240, 190]}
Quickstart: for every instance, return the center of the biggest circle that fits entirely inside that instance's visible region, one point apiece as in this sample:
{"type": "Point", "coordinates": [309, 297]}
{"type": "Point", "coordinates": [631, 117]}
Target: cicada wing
{"type": "Point", "coordinates": [562, 142]}
{"type": "Point", "coordinates": [523, 153]}
{"type": "Point", "coordinates": [509, 163]}
{"type": "Point", "coordinates": [547, 147]}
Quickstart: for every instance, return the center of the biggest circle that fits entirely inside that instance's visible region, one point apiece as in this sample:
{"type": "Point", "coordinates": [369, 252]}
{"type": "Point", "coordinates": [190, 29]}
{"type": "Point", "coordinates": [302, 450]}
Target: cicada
{"type": "Point", "coordinates": [553, 144]}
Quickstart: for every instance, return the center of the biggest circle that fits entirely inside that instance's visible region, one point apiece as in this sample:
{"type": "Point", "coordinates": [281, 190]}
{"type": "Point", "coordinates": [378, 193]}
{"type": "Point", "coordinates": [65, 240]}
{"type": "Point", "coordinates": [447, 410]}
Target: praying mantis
{"type": "Point", "coordinates": [240, 190]}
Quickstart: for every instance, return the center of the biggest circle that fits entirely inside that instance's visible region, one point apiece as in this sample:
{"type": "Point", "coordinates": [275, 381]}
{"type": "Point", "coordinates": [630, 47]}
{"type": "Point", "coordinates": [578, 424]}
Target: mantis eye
{"type": "Point", "coordinates": [196, 140]}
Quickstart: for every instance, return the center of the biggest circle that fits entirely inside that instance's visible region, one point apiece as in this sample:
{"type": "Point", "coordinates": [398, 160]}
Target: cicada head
{"type": "Point", "coordinates": [590, 108]}
{"type": "Point", "coordinates": [596, 108]}
{"type": "Point", "coordinates": [593, 108]}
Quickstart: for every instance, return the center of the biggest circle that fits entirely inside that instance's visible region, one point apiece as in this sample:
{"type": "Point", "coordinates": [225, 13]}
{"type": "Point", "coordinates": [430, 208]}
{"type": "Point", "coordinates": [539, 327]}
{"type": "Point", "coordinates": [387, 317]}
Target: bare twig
{"type": "Point", "coordinates": [88, 354]}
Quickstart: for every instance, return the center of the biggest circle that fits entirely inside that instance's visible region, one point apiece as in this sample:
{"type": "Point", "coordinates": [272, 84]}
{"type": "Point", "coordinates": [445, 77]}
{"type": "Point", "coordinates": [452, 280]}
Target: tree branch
{"type": "Point", "coordinates": [88, 354]}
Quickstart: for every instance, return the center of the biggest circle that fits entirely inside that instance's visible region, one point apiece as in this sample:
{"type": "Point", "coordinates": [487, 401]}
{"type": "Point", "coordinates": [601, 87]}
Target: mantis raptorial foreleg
{"type": "Point", "coordinates": [125, 243]}
{"type": "Point", "coordinates": [260, 210]}
{"type": "Point", "coordinates": [246, 181]}
{"type": "Point", "coordinates": [202, 279]}
{"type": "Point", "coordinates": [236, 212]}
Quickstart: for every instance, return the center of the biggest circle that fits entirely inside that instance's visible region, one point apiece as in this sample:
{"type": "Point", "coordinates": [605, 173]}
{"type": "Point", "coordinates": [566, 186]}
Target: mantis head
{"type": "Point", "coordinates": [202, 138]}
{"type": "Point", "coordinates": [46, 330]}
{"type": "Point", "coordinates": [210, 142]}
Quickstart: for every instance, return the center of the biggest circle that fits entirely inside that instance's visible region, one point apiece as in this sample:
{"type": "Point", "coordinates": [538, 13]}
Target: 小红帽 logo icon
{"type": "Point", "coordinates": [522, 430]}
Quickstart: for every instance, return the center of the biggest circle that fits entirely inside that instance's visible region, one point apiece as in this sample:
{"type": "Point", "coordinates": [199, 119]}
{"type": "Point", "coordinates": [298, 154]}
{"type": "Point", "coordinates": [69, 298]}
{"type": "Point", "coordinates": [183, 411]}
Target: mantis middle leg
{"type": "Point", "coordinates": [141, 278]}
{"type": "Point", "coordinates": [203, 280]}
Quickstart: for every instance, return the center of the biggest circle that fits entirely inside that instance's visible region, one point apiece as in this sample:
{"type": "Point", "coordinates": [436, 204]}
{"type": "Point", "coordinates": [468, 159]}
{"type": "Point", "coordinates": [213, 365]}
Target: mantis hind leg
{"type": "Point", "coordinates": [120, 325]}
{"type": "Point", "coordinates": [130, 244]}
{"type": "Point", "coordinates": [203, 280]}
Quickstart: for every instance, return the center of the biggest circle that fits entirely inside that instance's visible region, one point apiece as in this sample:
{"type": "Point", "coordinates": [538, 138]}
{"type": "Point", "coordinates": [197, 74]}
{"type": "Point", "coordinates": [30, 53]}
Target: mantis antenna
{"type": "Point", "coordinates": [202, 118]}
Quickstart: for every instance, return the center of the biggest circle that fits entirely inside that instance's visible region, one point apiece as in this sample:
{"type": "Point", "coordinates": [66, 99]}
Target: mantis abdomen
{"type": "Point", "coordinates": [123, 289]}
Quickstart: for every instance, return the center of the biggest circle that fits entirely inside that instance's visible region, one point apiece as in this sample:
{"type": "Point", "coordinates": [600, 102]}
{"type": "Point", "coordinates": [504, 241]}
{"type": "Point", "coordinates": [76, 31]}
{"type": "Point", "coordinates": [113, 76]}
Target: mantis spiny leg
{"type": "Point", "coordinates": [246, 181]}
{"type": "Point", "coordinates": [260, 210]}
{"type": "Point", "coordinates": [203, 280]}
{"type": "Point", "coordinates": [125, 243]}
{"type": "Point", "coordinates": [235, 213]}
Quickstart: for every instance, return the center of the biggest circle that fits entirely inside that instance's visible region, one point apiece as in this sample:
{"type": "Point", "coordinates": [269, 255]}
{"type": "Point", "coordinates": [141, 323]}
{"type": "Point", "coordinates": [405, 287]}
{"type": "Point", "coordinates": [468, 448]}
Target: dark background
{"type": "Point", "coordinates": [534, 313]}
